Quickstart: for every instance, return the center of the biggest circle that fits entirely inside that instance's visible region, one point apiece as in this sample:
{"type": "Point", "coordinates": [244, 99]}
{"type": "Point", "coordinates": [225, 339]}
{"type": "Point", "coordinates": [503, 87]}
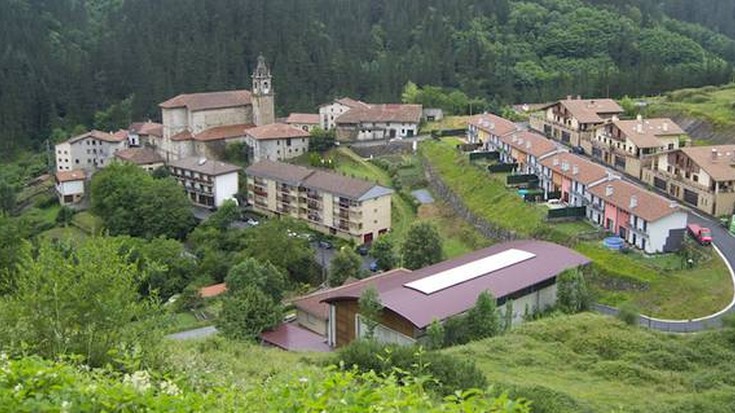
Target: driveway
{"type": "Point", "coordinates": [193, 334]}
{"type": "Point", "coordinates": [324, 257]}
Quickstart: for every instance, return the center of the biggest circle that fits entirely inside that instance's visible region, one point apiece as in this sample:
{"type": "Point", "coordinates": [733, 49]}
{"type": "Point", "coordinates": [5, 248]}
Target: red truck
{"type": "Point", "coordinates": [701, 234]}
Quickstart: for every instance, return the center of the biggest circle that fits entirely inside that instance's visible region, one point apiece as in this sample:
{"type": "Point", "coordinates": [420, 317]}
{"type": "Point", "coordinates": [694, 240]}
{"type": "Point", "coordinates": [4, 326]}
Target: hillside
{"type": "Point", "coordinates": [103, 63]}
{"type": "Point", "coordinates": [591, 363]}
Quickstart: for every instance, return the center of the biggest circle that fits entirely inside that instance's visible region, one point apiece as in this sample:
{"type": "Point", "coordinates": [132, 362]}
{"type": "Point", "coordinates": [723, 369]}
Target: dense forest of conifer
{"type": "Point", "coordinates": [99, 63]}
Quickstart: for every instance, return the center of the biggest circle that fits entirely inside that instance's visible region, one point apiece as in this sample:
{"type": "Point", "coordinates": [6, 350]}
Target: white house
{"type": "Point", "coordinates": [329, 112]}
{"type": "Point", "coordinates": [70, 186]}
{"type": "Point", "coordinates": [643, 219]}
{"type": "Point", "coordinates": [276, 142]}
{"type": "Point", "coordinates": [144, 133]}
{"type": "Point", "coordinates": [90, 150]}
{"type": "Point", "coordinates": [304, 121]}
{"type": "Point", "coordinates": [385, 121]}
{"type": "Point", "coordinates": [207, 182]}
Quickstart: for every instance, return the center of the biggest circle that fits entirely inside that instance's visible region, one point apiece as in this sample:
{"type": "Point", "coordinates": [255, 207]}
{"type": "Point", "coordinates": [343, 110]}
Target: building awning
{"type": "Point", "coordinates": [292, 337]}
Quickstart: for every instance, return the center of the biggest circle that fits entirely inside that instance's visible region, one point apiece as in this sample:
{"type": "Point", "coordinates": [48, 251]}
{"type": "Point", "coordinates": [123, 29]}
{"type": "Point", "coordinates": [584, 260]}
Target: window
{"type": "Point", "coordinates": [695, 178]}
{"type": "Point", "coordinates": [288, 142]}
{"type": "Point", "coordinates": [76, 161]}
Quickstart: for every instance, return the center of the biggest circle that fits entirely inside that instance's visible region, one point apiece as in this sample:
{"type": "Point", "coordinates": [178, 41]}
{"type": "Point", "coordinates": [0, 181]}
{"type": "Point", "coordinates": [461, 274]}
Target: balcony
{"type": "Point", "coordinates": [668, 176]}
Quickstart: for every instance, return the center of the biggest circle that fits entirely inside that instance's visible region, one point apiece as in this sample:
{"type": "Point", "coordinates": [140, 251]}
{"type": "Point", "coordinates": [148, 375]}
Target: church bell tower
{"type": "Point", "coordinates": [262, 94]}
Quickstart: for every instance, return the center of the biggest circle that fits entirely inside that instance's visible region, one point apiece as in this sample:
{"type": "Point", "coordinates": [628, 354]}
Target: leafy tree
{"type": "Point", "coordinates": [345, 264]}
{"type": "Point", "coordinates": [572, 294]}
{"type": "Point", "coordinates": [161, 172]}
{"type": "Point", "coordinates": [237, 153]}
{"type": "Point", "coordinates": [483, 320]}
{"type": "Point", "coordinates": [64, 215]}
{"type": "Point", "coordinates": [130, 202]}
{"type": "Point", "coordinates": [247, 312]}
{"type": "Point", "coordinates": [435, 333]}
{"type": "Point", "coordinates": [273, 241]}
{"type": "Point", "coordinates": [12, 233]}
{"type": "Point", "coordinates": [225, 215]}
{"type": "Point", "coordinates": [384, 253]}
{"type": "Point", "coordinates": [422, 246]}
{"type": "Point", "coordinates": [508, 315]}
{"type": "Point", "coordinates": [321, 140]}
{"type": "Point", "coordinates": [169, 268]}
{"type": "Point", "coordinates": [78, 301]}
{"type": "Point", "coordinates": [251, 273]}
{"type": "Point", "coordinates": [410, 93]}
{"type": "Point", "coordinates": [8, 194]}
{"type": "Point", "coordinates": [371, 309]}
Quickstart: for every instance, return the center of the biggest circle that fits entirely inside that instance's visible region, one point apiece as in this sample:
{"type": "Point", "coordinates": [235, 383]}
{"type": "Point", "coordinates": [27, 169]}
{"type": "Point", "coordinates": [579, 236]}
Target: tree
{"type": "Point", "coordinates": [251, 273]}
{"type": "Point", "coordinates": [572, 294]}
{"type": "Point", "coordinates": [79, 301]}
{"type": "Point", "coordinates": [7, 197]}
{"type": "Point", "coordinates": [247, 312]}
{"type": "Point", "coordinates": [168, 267]}
{"type": "Point", "coordinates": [268, 241]}
{"type": "Point", "coordinates": [629, 314]}
{"type": "Point", "coordinates": [65, 215]}
{"type": "Point", "coordinates": [508, 315]}
{"type": "Point", "coordinates": [371, 309]}
{"type": "Point", "coordinates": [384, 253]}
{"type": "Point", "coordinates": [345, 264]}
{"type": "Point", "coordinates": [483, 320]}
{"type": "Point", "coordinates": [130, 202]}
{"type": "Point", "coordinates": [435, 335]}
{"type": "Point", "coordinates": [225, 215]}
{"type": "Point", "coordinates": [410, 93]}
{"type": "Point", "coordinates": [321, 140]}
{"type": "Point", "coordinates": [422, 246]}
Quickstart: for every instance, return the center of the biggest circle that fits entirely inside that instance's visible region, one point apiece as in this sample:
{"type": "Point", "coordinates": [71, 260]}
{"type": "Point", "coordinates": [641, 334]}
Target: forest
{"type": "Point", "coordinates": [69, 64]}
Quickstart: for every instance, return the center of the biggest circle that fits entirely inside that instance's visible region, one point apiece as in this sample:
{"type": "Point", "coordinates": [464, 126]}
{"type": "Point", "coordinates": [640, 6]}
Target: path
{"type": "Point", "coordinates": [193, 334]}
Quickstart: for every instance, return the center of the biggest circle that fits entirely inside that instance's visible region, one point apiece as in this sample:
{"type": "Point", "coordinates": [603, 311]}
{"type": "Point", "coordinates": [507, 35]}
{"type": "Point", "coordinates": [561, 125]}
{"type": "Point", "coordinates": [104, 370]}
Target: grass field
{"type": "Point", "coordinates": [592, 363]}
{"type": "Point", "coordinates": [710, 103]}
{"type": "Point", "coordinates": [87, 222]}
{"type": "Point", "coordinates": [655, 289]}
{"type": "Point", "coordinates": [70, 234]}
{"type": "Point", "coordinates": [448, 122]}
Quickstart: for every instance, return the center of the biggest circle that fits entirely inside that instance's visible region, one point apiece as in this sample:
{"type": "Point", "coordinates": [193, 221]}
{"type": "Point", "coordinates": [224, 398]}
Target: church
{"type": "Point", "coordinates": [203, 124]}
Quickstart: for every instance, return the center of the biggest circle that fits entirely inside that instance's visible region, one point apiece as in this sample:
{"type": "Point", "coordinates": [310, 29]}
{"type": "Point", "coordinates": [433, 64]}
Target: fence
{"type": "Point", "coordinates": [438, 133]}
{"type": "Point", "coordinates": [484, 155]}
{"type": "Point", "coordinates": [468, 147]}
{"type": "Point", "coordinates": [502, 167]}
{"type": "Point", "coordinates": [521, 179]}
{"type": "Point", "coordinates": [571, 212]}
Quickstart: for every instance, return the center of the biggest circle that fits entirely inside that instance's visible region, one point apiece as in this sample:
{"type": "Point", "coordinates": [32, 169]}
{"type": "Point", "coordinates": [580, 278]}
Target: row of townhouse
{"type": "Point", "coordinates": [655, 151]}
{"type": "Point", "coordinates": [350, 208]}
{"type": "Point", "coordinates": [644, 219]}
{"type": "Point", "coordinates": [356, 120]}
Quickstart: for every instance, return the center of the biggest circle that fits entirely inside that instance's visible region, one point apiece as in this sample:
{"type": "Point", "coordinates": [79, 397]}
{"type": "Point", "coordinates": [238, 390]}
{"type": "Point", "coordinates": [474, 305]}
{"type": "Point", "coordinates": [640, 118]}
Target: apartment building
{"type": "Point", "coordinates": [643, 219]}
{"type": "Point", "coordinates": [329, 112]}
{"type": "Point", "coordinates": [573, 121]}
{"type": "Point", "coordinates": [70, 186]}
{"type": "Point", "coordinates": [526, 149]}
{"type": "Point", "coordinates": [630, 146]}
{"type": "Point", "coordinates": [700, 176]}
{"type": "Point", "coordinates": [207, 182]}
{"type": "Point", "coordinates": [90, 150]}
{"type": "Point", "coordinates": [331, 203]}
{"type": "Point", "coordinates": [488, 129]}
{"type": "Point", "coordinates": [570, 175]}
{"type": "Point", "coordinates": [276, 142]}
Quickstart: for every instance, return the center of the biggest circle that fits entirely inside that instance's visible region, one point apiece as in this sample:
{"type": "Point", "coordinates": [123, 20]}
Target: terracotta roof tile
{"type": "Point", "coordinates": [223, 132]}
{"type": "Point", "coordinates": [352, 103]}
{"type": "Point", "coordinates": [717, 161]}
{"type": "Point", "coordinates": [382, 113]}
{"type": "Point", "coordinates": [575, 168]}
{"type": "Point", "coordinates": [292, 337]}
{"type": "Point", "coordinates": [589, 110]}
{"type": "Point", "coordinates": [184, 135]}
{"type": "Point", "coordinates": [303, 118]}
{"type": "Point", "coordinates": [147, 128]}
{"type": "Point", "coordinates": [212, 290]}
{"type": "Point", "coordinates": [285, 172]}
{"type": "Point", "coordinates": [277, 131]}
{"type": "Point", "coordinates": [209, 100]}
{"type": "Point", "coordinates": [493, 124]}
{"type": "Point", "coordinates": [646, 133]}
{"type": "Point", "coordinates": [531, 143]}
{"type": "Point", "coordinates": [67, 176]}
{"type": "Point", "coordinates": [118, 136]}
{"type": "Point", "coordinates": [139, 156]}
{"type": "Point", "coordinates": [646, 204]}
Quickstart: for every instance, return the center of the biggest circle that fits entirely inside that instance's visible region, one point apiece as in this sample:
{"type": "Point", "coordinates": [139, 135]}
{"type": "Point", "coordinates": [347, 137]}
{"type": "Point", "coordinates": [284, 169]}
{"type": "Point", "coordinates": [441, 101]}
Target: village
{"type": "Point", "coordinates": [638, 180]}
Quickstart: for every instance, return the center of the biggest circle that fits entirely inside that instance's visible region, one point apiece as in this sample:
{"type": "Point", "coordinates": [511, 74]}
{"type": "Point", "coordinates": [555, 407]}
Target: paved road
{"type": "Point", "coordinates": [194, 334]}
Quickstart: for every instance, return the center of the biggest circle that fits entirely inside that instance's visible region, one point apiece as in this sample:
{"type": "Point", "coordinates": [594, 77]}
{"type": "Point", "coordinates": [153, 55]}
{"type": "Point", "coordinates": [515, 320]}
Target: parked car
{"type": "Point", "coordinates": [374, 266]}
{"type": "Point", "coordinates": [252, 222]}
{"type": "Point", "coordinates": [326, 245]}
{"type": "Point", "coordinates": [701, 234]}
{"type": "Point", "coordinates": [363, 249]}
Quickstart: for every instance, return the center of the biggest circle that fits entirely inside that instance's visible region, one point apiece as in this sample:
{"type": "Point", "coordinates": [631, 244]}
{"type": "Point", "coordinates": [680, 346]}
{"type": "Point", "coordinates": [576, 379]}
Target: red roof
{"type": "Point", "coordinates": [290, 336]}
{"type": "Point", "coordinates": [277, 131]}
{"type": "Point", "coordinates": [382, 113]}
{"type": "Point", "coordinates": [421, 309]}
{"type": "Point", "coordinates": [67, 176]}
{"type": "Point", "coordinates": [118, 136]}
{"type": "Point", "coordinates": [209, 100]}
{"type": "Point", "coordinates": [212, 290]}
{"type": "Point", "coordinates": [635, 200]}
{"type": "Point", "coordinates": [147, 128]}
{"type": "Point", "coordinates": [303, 118]}
{"type": "Point", "coordinates": [223, 132]}
{"type": "Point", "coordinates": [184, 135]}
{"type": "Point", "coordinates": [493, 124]}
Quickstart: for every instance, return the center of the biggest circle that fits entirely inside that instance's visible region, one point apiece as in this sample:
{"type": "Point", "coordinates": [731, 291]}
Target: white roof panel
{"type": "Point", "coordinates": [471, 270]}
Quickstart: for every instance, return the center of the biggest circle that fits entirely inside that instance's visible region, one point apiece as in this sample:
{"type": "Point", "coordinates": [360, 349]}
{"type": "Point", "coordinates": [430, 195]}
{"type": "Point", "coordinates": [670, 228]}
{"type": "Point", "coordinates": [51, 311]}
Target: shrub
{"type": "Point", "coordinates": [629, 314]}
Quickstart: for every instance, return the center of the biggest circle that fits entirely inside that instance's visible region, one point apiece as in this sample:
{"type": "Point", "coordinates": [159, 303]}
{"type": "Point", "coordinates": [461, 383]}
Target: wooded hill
{"type": "Point", "coordinates": [101, 63]}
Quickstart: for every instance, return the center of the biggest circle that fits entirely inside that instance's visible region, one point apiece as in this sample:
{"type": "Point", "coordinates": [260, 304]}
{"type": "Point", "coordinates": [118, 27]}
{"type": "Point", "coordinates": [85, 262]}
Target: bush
{"type": "Point", "coordinates": [449, 372]}
{"type": "Point", "coordinates": [545, 400]}
{"type": "Point", "coordinates": [629, 314]}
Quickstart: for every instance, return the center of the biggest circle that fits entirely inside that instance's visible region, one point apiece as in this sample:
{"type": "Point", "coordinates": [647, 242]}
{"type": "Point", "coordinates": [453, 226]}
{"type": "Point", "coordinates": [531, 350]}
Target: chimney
{"type": "Point", "coordinates": [639, 118]}
{"type": "Point", "coordinates": [555, 161]}
{"type": "Point", "coordinates": [608, 190]}
{"type": "Point", "coordinates": [665, 126]}
{"type": "Point", "coordinates": [575, 169]}
{"type": "Point", "coordinates": [579, 97]}
{"type": "Point", "coordinates": [615, 118]}
{"type": "Point", "coordinates": [528, 145]}
{"type": "Point", "coordinates": [633, 201]}
{"type": "Point", "coordinates": [714, 154]}
{"type": "Point", "coordinates": [639, 127]}
{"type": "Point", "coordinates": [569, 97]}
{"type": "Point", "coordinates": [565, 166]}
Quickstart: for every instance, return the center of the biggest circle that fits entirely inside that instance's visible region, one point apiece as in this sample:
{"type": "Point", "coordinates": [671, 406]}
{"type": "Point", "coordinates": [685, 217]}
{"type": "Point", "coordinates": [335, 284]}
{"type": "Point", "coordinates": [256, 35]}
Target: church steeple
{"type": "Point", "coordinates": [262, 94]}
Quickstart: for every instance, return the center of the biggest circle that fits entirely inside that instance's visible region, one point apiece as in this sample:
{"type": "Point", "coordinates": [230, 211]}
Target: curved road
{"type": "Point", "coordinates": [724, 244]}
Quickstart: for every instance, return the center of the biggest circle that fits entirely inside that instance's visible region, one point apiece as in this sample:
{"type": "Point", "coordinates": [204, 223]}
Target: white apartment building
{"type": "Point", "coordinates": [207, 182]}
{"type": "Point", "coordinates": [89, 151]}
{"type": "Point", "coordinates": [276, 142]}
